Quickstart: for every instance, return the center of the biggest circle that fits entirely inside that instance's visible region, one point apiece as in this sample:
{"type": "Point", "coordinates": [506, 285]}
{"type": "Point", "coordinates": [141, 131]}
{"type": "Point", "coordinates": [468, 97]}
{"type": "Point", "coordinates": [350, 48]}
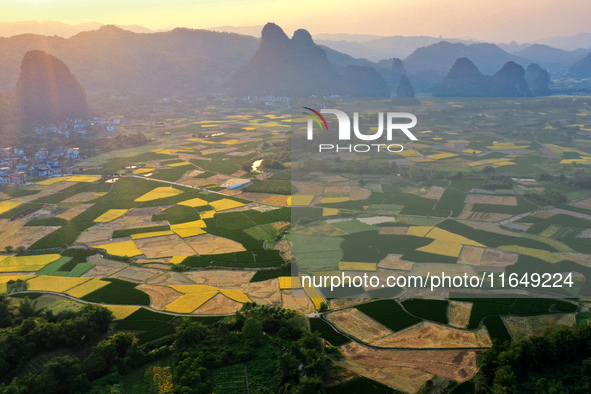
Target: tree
{"type": "Point", "coordinates": [488, 170]}
{"type": "Point", "coordinates": [8, 249]}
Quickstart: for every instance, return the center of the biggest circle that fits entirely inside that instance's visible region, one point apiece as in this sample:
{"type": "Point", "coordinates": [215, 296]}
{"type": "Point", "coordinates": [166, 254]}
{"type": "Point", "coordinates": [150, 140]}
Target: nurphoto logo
{"type": "Point", "coordinates": [344, 130]}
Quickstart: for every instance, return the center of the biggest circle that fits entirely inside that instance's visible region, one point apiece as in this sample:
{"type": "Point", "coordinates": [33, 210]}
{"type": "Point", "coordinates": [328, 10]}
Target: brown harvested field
{"type": "Point", "coordinates": [471, 255]}
{"type": "Point", "coordinates": [580, 258]}
{"type": "Point", "coordinates": [211, 244]}
{"type": "Point", "coordinates": [218, 305]}
{"type": "Point", "coordinates": [265, 293]}
{"type": "Point", "coordinates": [431, 335]}
{"type": "Point", "coordinates": [337, 190]}
{"type": "Point", "coordinates": [395, 262]}
{"type": "Point", "coordinates": [408, 380]}
{"type": "Point", "coordinates": [136, 274]}
{"type": "Point", "coordinates": [103, 267]}
{"type": "Point", "coordinates": [147, 212]}
{"type": "Point", "coordinates": [583, 204]}
{"type": "Point", "coordinates": [393, 230]}
{"type": "Point", "coordinates": [165, 246]}
{"type": "Point", "coordinates": [104, 231]}
{"type": "Point", "coordinates": [438, 268]}
{"type": "Point", "coordinates": [523, 327]}
{"type": "Point", "coordinates": [160, 296]}
{"type": "Point", "coordinates": [498, 258]}
{"type": "Point", "coordinates": [276, 199]}
{"type": "Point", "coordinates": [16, 235]}
{"type": "Point", "coordinates": [340, 303]}
{"type": "Point", "coordinates": [334, 178]}
{"type": "Point", "coordinates": [359, 325]}
{"type": "Point", "coordinates": [74, 211]}
{"type": "Point", "coordinates": [297, 300]}
{"type": "Point", "coordinates": [309, 188]}
{"type": "Point", "coordinates": [221, 278]}
{"type": "Point", "coordinates": [359, 193]}
{"type": "Point", "coordinates": [458, 313]}
{"type": "Point", "coordinates": [81, 197]}
{"type": "Point", "coordinates": [434, 193]}
{"type": "Point", "coordinates": [544, 214]}
{"type": "Point", "coordinates": [483, 216]}
{"type": "Point", "coordinates": [170, 279]}
{"type": "Point", "coordinates": [487, 199]}
{"type": "Point", "coordinates": [459, 365]}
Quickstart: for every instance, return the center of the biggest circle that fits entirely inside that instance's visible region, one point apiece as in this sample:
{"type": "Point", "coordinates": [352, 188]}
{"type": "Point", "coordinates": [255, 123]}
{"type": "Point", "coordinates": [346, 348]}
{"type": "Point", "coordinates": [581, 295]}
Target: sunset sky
{"type": "Point", "coordinates": [491, 20]}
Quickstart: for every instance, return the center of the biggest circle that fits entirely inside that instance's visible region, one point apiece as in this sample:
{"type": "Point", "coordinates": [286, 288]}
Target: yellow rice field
{"type": "Point", "coordinates": [418, 231]}
{"type": "Point", "coordinates": [26, 263]}
{"type": "Point", "coordinates": [58, 284]}
{"type": "Point", "coordinates": [125, 248]}
{"type": "Point", "coordinates": [442, 155]}
{"type": "Point", "coordinates": [206, 214]}
{"type": "Point", "coordinates": [5, 279]}
{"type": "Point", "coordinates": [188, 303]}
{"type": "Point", "coordinates": [111, 215]}
{"type": "Point", "coordinates": [408, 153]}
{"type": "Point", "coordinates": [182, 163]}
{"type": "Point", "coordinates": [300, 199]}
{"type": "Point", "coordinates": [6, 206]}
{"type": "Point", "coordinates": [329, 200]}
{"type": "Point", "coordinates": [540, 254]}
{"type": "Point", "coordinates": [353, 266]}
{"type": "Point", "coordinates": [444, 248]}
{"type": "Point", "coordinates": [236, 295]}
{"type": "Point", "coordinates": [194, 202]}
{"type": "Point", "coordinates": [159, 192]}
{"type": "Point", "coordinates": [289, 282]}
{"type": "Point", "coordinates": [189, 232]}
{"type": "Point", "coordinates": [447, 236]}
{"type": "Point", "coordinates": [73, 178]}
{"type": "Point", "coordinates": [87, 287]}
{"type": "Point", "coordinates": [472, 151]}
{"type": "Point", "coordinates": [177, 259]}
{"type": "Point", "coordinates": [506, 146]}
{"type": "Point", "coordinates": [122, 311]}
{"type": "Point", "coordinates": [224, 203]}
{"type": "Point", "coordinates": [330, 212]}
{"type": "Point", "coordinates": [143, 170]}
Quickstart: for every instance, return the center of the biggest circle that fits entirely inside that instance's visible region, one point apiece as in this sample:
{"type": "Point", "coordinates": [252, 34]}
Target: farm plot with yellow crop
{"type": "Point", "coordinates": [6, 206]}
{"type": "Point", "coordinates": [194, 202]}
{"type": "Point", "coordinates": [58, 284]}
{"type": "Point", "coordinates": [289, 282]}
{"type": "Point", "coordinates": [125, 248]}
{"type": "Point", "coordinates": [26, 263]}
{"type": "Point", "coordinates": [111, 215]}
{"type": "Point", "coordinates": [224, 204]}
{"type": "Point", "coordinates": [87, 287]}
{"type": "Point", "coordinates": [159, 192]}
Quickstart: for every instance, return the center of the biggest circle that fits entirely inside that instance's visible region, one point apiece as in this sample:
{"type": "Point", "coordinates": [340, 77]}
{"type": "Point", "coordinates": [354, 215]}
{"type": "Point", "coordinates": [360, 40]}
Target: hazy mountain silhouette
{"type": "Point", "coordinates": [438, 58]}
{"type": "Point", "coordinates": [52, 28]}
{"type": "Point", "coordinates": [405, 88]}
{"type": "Point", "coordinates": [582, 68]}
{"type": "Point", "coordinates": [550, 57]}
{"type": "Point", "coordinates": [47, 92]}
{"type": "Point", "coordinates": [286, 67]}
{"type": "Point", "coordinates": [298, 67]}
{"type": "Point", "coordinates": [538, 80]}
{"type": "Point", "coordinates": [363, 81]}
{"type": "Point", "coordinates": [465, 80]}
{"type": "Point", "coordinates": [113, 60]}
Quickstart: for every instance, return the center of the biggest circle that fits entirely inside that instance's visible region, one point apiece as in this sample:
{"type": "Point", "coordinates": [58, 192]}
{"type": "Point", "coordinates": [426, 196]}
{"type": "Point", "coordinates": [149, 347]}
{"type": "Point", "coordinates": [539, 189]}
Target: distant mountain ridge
{"type": "Point", "coordinates": [464, 79]}
{"type": "Point", "coordinates": [60, 29]}
{"type": "Point", "coordinates": [181, 61]}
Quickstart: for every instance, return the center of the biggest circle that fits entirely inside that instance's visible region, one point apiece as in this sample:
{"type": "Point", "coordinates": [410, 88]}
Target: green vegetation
{"type": "Point", "coordinates": [118, 292]}
{"type": "Point", "coordinates": [435, 310]}
{"type": "Point", "coordinates": [264, 275]}
{"type": "Point", "coordinates": [326, 331]}
{"type": "Point", "coordinates": [389, 313]}
{"type": "Point", "coordinates": [53, 221]}
{"type": "Point", "coordinates": [558, 361]}
{"type": "Point", "coordinates": [496, 328]}
{"type": "Point", "coordinates": [230, 379]}
{"type": "Point", "coordinates": [272, 186]}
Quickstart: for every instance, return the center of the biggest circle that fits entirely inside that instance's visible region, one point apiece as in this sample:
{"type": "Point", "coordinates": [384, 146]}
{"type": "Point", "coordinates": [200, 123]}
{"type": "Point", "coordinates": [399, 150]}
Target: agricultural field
{"type": "Point", "coordinates": [179, 240]}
